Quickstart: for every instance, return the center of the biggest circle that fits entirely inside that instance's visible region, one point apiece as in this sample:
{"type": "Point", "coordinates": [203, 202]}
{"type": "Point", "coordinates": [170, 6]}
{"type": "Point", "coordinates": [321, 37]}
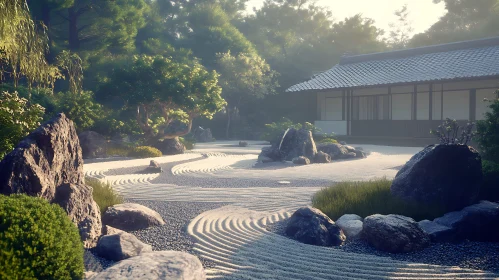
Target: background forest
{"type": "Point", "coordinates": [137, 67]}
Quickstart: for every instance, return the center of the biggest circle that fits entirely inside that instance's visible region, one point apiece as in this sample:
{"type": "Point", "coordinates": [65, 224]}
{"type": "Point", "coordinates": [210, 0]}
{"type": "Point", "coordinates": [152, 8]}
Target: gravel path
{"type": "Point", "coordinates": [173, 235]}
{"type": "Point", "coordinates": [467, 254]}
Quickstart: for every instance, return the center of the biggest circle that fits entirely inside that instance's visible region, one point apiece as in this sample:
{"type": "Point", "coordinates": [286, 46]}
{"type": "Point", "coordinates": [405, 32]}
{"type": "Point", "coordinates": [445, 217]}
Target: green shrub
{"type": "Point", "coordinates": [103, 194]}
{"type": "Point", "coordinates": [80, 108]}
{"type": "Point", "coordinates": [488, 133]}
{"type": "Point", "coordinates": [490, 187]}
{"type": "Point", "coordinates": [17, 119]}
{"type": "Point", "coordinates": [38, 240]}
{"type": "Point", "coordinates": [188, 142]}
{"type": "Point", "coordinates": [274, 130]}
{"type": "Point", "coordinates": [368, 198]}
{"type": "Point", "coordinates": [144, 152]}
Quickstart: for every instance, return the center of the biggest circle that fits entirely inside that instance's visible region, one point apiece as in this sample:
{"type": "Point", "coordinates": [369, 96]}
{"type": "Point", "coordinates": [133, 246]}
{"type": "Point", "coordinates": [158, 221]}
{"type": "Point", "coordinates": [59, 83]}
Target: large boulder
{"type": "Point", "coordinates": [153, 167]}
{"type": "Point", "coordinates": [131, 216]}
{"type": "Point", "coordinates": [82, 209]}
{"type": "Point", "coordinates": [322, 157]}
{"type": "Point", "coordinates": [93, 145]}
{"type": "Point", "coordinates": [48, 163]}
{"type": "Point", "coordinates": [171, 265]}
{"type": "Point", "coordinates": [445, 175]}
{"type": "Point", "coordinates": [170, 146]}
{"type": "Point", "coordinates": [120, 246]}
{"type": "Point", "coordinates": [394, 233]}
{"type": "Point", "coordinates": [478, 222]}
{"type": "Point", "coordinates": [293, 143]}
{"type": "Point", "coordinates": [202, 135]}
{"type": "Point", "coordinates": [438, 232]}
{"type": "Point", "coordinates": [310, 226]}
{"type": "Point", "coordinates": [351, 225]}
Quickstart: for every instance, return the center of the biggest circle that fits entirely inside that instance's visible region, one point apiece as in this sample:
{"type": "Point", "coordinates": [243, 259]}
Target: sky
{"type": "Point", "coordinates": [422, 13]}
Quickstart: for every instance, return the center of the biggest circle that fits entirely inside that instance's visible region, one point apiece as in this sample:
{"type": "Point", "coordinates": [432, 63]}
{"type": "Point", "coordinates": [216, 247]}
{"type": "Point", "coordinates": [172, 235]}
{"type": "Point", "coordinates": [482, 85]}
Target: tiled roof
{"type": "Point", "coordinates": [462, 60]}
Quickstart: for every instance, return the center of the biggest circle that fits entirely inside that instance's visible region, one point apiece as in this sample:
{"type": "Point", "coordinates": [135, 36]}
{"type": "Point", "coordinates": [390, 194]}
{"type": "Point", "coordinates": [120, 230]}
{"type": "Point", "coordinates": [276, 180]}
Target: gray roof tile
{"type": "Point", "coordinates": [464, 60]}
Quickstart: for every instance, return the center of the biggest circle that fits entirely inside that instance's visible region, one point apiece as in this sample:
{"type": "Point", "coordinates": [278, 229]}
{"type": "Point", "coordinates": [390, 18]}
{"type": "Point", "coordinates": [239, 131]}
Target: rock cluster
{"type": "Point", "coordinates": [445, 175]}
{"type": "Point", "coordinates": [170, 146]}
{"type": "Point", "coordinates": [295, 144]}
{"type": "Point", "coordinates": [48, 163]}
{"type": "Point", "coordinates": [310, 226]}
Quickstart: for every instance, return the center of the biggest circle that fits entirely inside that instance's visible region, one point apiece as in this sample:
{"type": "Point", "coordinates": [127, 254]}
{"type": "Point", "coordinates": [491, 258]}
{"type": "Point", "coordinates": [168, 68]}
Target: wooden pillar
{"type": "Point", "coordinates": [431, 102]}
{"type": "Point", "coordinates": [442, 103]}
{"type": "Point", "coordinates": [472, 104]}
{"type": "Point", "coordinates": [343, 107]}
{"type": "Point", "coordinates": [415, 103]}
{"type": "Point", "coordinates": [391, 103]}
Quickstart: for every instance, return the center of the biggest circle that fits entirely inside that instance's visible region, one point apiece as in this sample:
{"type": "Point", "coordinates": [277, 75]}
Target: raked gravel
{"type": "Point", "coordinates": [466, 254]}
{"type": "Point", "coordinates": [173, 235]}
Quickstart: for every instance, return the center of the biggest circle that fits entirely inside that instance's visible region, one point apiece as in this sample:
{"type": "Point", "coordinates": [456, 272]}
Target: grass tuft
{"type": "Point", "coordinates": [368, 198]}
{"type": "Point", "coordinates": [103, 194]}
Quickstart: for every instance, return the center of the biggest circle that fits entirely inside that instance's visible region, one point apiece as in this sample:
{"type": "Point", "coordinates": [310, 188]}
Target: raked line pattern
{"type": "Point", "coordinates": [235, 239]}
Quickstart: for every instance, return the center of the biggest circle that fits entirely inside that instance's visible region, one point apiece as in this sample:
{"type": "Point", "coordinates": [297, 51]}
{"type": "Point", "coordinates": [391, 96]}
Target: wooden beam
{"type": "Point", "coordinates": [442, 103]}
{"type": "Point", "coordinates": [343, 107]}
{"type": "Point", "coordinates": [415, 103]}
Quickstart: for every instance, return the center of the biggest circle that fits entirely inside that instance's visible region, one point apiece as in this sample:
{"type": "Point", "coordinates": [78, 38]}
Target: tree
{"type": "Point", "coordinates": [42, 10]}
{"type": "Point", "coordinates": [401, 29]}
{"type": "Point", "coordinates": [162, 91]}
{"type": "Point", "coordinates": [488, 132]}
{"type": "Point", "coordinates": [465, 20]}
{"type": "Point", "coordinates": [243, 76]}
{"type": "Point", "coordinates": [23, 46]}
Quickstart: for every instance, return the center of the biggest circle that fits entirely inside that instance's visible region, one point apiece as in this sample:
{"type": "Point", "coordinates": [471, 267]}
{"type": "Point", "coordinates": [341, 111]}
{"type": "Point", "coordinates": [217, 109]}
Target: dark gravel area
{"type": "Point", "coordinates": [94, 262]}
{"type": "Point", "coordinates": [173, 235]}
{"type": "Point", "coordinates": [167, 177]}
{"type": "Point", "coordinates": [466, 254]}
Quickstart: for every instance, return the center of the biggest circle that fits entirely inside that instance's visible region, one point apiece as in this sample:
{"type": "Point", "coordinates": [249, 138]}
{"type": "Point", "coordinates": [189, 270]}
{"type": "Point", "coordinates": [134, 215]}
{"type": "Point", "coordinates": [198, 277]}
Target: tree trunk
{"type": "Point", "coordinates": [74, 42]}
{"type": "Point", "coordinates": [45, 9]}
{"type": "Point", "coordinates": [229, 118]}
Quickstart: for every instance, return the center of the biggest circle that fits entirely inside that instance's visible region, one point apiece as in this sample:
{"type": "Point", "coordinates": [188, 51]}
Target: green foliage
{"type": "Point", "coordinates": [104, 194]}
{"type": "Point", "coordinates": [37, 240]}
{"type": "Point", "coordinates": [488, 132]}
{"type": "Point", "coordinates": [17, 119]}
{"type": "Point", "coordinates": [144, 152]}
{"type": "Point", "coordinates": [276, 129]}
{"type": "Point", "coordinates": [80, 108]}
{"type": "Point", "coordinates": [188, 142]}
{"type": "Point", "coordinates": [368, 198]}
{"type": "Point", "coordinates": [161, 91]}
{"type": "Point", "coordinates": [490, 187]}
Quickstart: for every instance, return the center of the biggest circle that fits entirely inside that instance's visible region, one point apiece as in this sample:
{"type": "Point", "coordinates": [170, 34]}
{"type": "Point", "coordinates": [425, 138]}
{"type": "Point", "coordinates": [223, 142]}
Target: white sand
{"type": "Point", "coordinates": [234, 236]}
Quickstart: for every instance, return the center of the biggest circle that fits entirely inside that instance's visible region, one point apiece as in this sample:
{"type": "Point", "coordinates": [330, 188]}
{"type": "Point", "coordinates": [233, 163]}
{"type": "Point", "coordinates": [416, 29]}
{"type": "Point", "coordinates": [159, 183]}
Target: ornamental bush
{"type": "Point", "coordinates": [144, 152]}
{"type": "Point", "coordinates": [38, 240]}
{"type": "Point", "coordinates": [276, 129]}
{"type": "Point", "coordinates": [490, 187]}
{"type": "Point", "coordinates": [488, 133]}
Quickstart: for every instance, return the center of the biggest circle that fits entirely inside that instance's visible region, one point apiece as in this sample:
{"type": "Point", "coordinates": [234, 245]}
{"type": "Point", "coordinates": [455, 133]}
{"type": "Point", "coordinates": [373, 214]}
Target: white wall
{"type": "Point", "coordinates": [481, 106]}
{"type": "Point", "coordinates": [423, 106]}
{"type": "Point", "coordinates": [437, 106]}
{"type": "Point", "coordinates": [336, 127]}
{"type": "Point", "coordinates": [456, 105]}
{"type": "Point", "coordinates": [401, 106]}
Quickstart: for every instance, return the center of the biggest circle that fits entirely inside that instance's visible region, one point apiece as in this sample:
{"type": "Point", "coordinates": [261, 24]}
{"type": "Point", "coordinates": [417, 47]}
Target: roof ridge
{"type": "Point", "coordinates": [461, 45]}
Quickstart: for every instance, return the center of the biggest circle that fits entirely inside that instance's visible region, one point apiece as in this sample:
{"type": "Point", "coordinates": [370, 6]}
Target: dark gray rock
{"type": "Point", "coordinates": [170, 146]}
{"type": "Point", "coordinates": [293, 143]}
{"type": "Point", "coordinates": [48, 163]}
{"type": "Point", "coordinates": [159, 265]}
{"type": "Point", "coordinates": [243, 144]}
{"type": "Point", "coordinates": [301, 160]}
{"type": "Point", "coordinates": [82, 210]}
{"type": "Point", "coordinates": [202, 135]}
{"type": "Point", "coordinates": [108, 230]}
{"type": "Point", "coordinates": [438, 232]}
{"type": "Point", "coordinates": [93, 145]}
{"type": "Point", "coordinates": [446, 175]}
{"type": "Point", "coordinates": [351, 225]}
{"type": "Point", "coordinates": [120, 246]}
{"type": "Point", "coordinates": [394, 233]}
{"type": "Point", "coordinates": [131, 216]}
{"type": "Point", "coordinates": [310, 226]}
{"type": "Point", "coordinates": [322, 157]}
{"type": "Point", "coordinates": [153, 167]}
{"type": "Point", "coordinates": [478, 222]}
